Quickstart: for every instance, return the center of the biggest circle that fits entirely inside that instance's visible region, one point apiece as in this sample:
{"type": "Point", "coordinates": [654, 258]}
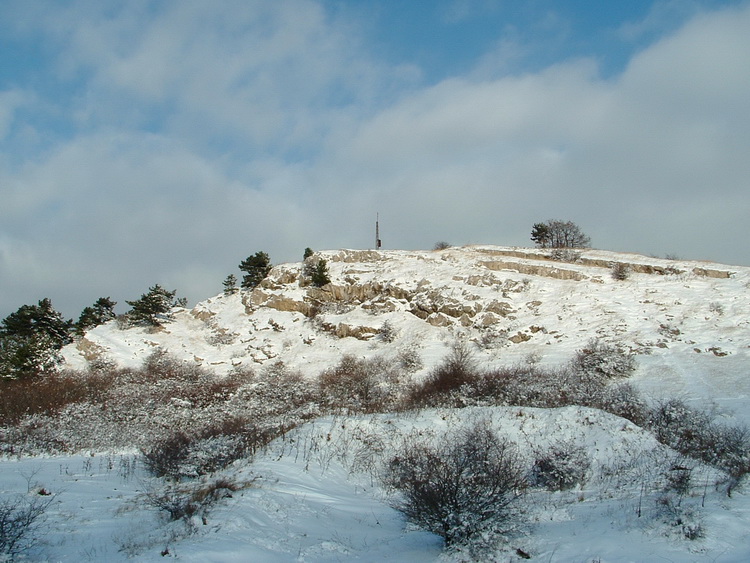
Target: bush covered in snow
{"type": "Point", "coordinates": [694, 433]}
{"type": "Point", "coordinates": [561, 466]}
{"type": "Point", "coordinates": [599, 358]}
{"type": "Point", "coordinates": [449, 383]}
{"type": "Point", "coordinates": [192, 500]}
{"type": "Point", "coordinates": [465, 487]}
{"type": "Point", "coordinates": [210, 449]}
{"type": "Point", "coordinates": [359, 385]}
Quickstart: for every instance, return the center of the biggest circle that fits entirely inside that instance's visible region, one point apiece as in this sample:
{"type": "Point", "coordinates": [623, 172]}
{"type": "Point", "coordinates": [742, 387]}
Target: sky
{"type": "Point", "coordinates": [146, 142]}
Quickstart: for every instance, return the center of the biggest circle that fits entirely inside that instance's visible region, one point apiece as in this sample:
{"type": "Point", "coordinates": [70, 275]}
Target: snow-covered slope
{"type": "Point", "coordinates": [314, 494]}
{"type": "Point", "coordinates": [516, 304]}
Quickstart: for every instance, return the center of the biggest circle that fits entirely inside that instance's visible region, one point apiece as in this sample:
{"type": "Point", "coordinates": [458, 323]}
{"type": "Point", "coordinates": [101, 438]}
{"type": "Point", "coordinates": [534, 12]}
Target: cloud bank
{"type": "Point", "coordinates": [165, 142]}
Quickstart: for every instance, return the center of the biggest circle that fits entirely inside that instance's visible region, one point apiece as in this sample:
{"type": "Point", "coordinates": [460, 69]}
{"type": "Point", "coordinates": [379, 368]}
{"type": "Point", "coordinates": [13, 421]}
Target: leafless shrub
{"type": "Point", "coordinates": [441, 245]}
{"type": "Point", "coordinates": [716, 308]}
{"type": "Point", "coordinates": [160, 364]}
{"type": "Point", "coordinates": [20, 520]}
{"type": "Point", "coordinates": [622, 400]}
{"type": "Point", "coordinates": [278, 391]}
{"type": "Point", "coordinates": [606, 360]}
{"type": "Point", "coordinates": [192, 500]}
{"type": "Point", "coordinates": [564, 255]}
{"type": "Point", "coordinates": [182, 455]}
{"type": "Point", "coordinates": [445, 383]}
{"type": "Point", "coordinates": [221, 337]}
{"type": "Point", "coordinates": [388, 332]}
{"type": "Point", "coordinates": [359, 385]}
{"type": "Point", "coordinates": [409, 359]}
{"type": "Point", "coordinates": [49, 393]}
{"type": "Point", "coordinates": [533, 386]}
{"type": "Point", "coordinates": [463, 488]}
{"type": "Point", "coordinates": [732, 453]}
{"type": "Point", "coordinates": [491, 338]}
{"type": "Point", "coordinates": [620, 271]}
{"type": "Point", "coordinates": [672, 508]}
{"type": "Point", "coordinates": [560, 467]}
{"type": "Point", "coordinates": [693, 433]}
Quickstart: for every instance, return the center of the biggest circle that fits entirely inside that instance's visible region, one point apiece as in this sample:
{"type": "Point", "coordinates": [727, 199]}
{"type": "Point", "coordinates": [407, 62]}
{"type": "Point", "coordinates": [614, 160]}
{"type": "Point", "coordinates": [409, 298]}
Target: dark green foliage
{"type": "Point", "coordinates": [540, 235]}
{"type": "Point", "coordinates": [308, 252]}
{"type": "Point", "coordinates": [153, 308]}
{"type": "Point", "coordinates": [100, 312]}
{"type": "Point", "coordinates": [31, 338]}
{"type": "Point", "coordinates": [256, 267]}
{"type": "Point", "coordinates": [38, 319]}
{"type": "Point", "coordinates": [319, 274]}
{"type": "Point", "coordinates": [230, 285]}
{"type": "Point", "coordinates": [25, 356]}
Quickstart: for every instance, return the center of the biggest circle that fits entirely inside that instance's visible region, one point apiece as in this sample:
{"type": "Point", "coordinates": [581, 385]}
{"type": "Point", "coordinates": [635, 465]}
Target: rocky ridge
{"type": "Point", "coordinates": [515, 304]}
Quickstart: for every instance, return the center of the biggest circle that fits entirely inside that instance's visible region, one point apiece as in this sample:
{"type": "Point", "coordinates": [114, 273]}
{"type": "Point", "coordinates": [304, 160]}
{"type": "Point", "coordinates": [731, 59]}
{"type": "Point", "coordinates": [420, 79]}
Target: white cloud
{"type": "Point", "coordinates": [271, 74]}
{"type": "Point", "coordinates": [649, 161]}
{"type": "Point", "coordinates": [204, 135]}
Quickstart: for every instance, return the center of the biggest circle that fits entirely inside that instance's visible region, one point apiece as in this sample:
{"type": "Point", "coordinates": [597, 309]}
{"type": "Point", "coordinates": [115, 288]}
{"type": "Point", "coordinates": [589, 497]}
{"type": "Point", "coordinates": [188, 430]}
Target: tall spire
{"type": "Point", "coordinates": [378, 242]}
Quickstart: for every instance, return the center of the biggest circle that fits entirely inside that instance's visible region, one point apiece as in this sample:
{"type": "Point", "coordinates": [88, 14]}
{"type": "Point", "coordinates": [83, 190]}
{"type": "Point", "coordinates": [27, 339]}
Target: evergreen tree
{"type": "Point", "coordinates": [540, 234]}
{"type": "Point", "coordinates": [319, 274]}
{"type": "Point", "coordinates": [257, 267]}
{"type": "Point", "coordinates": [230, 285]}
{"type": "Point", "coordinates": [100, 312]}
{"type": "Point", "coordinates": [31, 338]}
{"type": "Point", "coordinates": [308, 252]}
{"type": "Point", "coordinates": [30, 320]}
{"type": "Point", "coordinates": [152, 308]}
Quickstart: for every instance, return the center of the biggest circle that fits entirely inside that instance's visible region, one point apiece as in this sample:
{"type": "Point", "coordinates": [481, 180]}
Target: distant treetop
{"type": "Point", "coordinates": [559, 234]}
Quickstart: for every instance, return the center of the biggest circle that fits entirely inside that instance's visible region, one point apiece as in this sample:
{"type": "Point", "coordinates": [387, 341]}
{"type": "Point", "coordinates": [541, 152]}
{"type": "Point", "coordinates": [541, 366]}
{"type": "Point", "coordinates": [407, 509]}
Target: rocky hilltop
{"type": "Point", "coordinates": [514, 304]}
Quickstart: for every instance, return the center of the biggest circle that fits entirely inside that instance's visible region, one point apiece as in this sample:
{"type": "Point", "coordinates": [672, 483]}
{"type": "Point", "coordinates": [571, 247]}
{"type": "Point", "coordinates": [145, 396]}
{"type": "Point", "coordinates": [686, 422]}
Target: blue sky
{"type": "Point", "coordinates": [148, 142]}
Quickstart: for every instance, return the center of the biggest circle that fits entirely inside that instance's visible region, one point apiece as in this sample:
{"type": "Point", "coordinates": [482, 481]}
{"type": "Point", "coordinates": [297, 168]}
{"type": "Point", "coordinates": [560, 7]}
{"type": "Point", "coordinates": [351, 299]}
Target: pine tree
{"type": "Point", "coordinates": [100, 312]}
{"type": "Point", "coordinates": [257, 267]}
{"type": "Point", "coordinates": [152, 308]}
{"type": "Point", "coordinates": [540, 234]}
{"type": "Point", "coordinates": [31, 338]}
{"type": "Point", "coordinates": [320, 275]}
{"type": "Point", "coordinates": [308, 252]}
{"type": "Point", "coordinates": [230, 285]}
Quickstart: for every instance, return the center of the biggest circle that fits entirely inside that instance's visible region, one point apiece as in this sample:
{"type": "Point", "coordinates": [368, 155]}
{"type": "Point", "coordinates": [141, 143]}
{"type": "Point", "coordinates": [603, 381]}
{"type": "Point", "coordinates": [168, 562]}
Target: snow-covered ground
{"type": "Point", "coordinates": [314, 494]}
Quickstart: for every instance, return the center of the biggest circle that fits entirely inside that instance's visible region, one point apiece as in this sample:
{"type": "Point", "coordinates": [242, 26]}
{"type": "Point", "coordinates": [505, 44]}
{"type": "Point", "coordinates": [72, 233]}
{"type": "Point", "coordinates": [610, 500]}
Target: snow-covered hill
{"type": "Point", "coordinates": [689, 322]}
{"type": "Point", "coordinates": [315, 495]}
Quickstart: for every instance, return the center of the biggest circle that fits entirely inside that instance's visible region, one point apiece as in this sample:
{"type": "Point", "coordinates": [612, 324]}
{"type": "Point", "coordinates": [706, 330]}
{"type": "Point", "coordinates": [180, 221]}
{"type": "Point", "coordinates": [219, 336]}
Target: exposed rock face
{"type": "Point", "coordinates": [635, 267]}
{"type": "Point", "coordinates": [90, 350]}
{"type": "Point", "coordinates": [260, 298]}
{"type": "Point", "coordinates": [358, 256]}
{"type": "Point", "coordinates": [535, 270]}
